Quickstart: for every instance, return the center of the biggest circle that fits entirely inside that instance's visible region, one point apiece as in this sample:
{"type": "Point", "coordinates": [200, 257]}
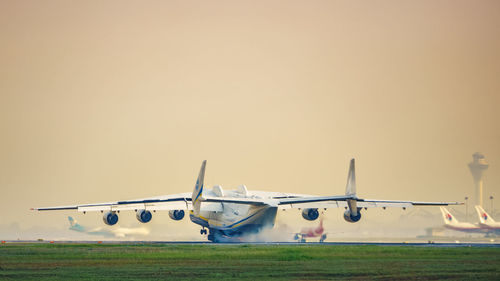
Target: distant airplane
{"type": "Point", "coordinates": [486, 221]}
{"type": "Point", "coordinates": [100, 231]}
{"type": "Point", "coordinates": [451, 222]}
{"type": "Point", "coordinates": [233, 213]}
{"type": "Point", "coordinates": [311, 232]}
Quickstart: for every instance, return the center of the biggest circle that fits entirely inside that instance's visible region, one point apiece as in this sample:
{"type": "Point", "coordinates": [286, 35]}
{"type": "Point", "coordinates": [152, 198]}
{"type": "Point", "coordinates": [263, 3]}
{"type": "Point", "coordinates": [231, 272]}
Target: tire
{"type": "Point", "coordinates": [323, 238]}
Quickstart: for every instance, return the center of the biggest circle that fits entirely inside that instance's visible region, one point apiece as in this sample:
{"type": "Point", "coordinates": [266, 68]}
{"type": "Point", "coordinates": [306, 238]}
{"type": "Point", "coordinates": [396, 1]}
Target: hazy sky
{"type": "Point", "coordinates": [111, 100]}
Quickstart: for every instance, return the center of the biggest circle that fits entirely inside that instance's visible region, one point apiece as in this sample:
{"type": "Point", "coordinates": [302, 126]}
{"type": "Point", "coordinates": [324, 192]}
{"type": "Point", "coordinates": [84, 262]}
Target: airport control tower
{"type": "Point", "coordinates": [477, 166]}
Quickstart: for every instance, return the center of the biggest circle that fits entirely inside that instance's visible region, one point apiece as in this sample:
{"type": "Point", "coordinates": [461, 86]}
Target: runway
{"type": "Point", "coordinates": [395, 244]}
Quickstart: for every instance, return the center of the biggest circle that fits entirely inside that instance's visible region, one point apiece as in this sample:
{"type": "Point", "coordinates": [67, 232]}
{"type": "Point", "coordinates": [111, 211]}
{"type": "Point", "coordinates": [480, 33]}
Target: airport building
{"type": "Point", "coordinates": [477, 167]}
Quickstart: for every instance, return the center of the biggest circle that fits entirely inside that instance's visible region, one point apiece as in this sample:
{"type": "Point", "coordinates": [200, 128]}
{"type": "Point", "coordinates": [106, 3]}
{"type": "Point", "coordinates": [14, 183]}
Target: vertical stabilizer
{"type": "Point", "coordinates": [73, 225]}
{"type": "Point", "coordinates": [72, 221]}
{"type": "Point", "coordinates": [484, 217]}
{"type": "Point", "coordinates": [448, 217]}
{"type": "Point", "coordinates": [198, 189]}
{"type": "Point", "coordinates": [350, 188]}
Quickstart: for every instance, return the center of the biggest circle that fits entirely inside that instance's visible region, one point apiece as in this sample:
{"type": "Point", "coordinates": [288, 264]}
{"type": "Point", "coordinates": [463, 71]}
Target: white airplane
{"type": "Point", "coordinates": [233, 213]}
{"type": "Point", "coordinates": [486, 221]}
{"type": "Point", "coordinates": [451, 222]}
{"type": "Point", "coordinates": [100, 231]}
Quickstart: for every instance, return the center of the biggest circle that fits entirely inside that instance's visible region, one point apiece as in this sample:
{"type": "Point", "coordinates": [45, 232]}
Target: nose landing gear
{"type": "Point", "coordinates": [203, 231]}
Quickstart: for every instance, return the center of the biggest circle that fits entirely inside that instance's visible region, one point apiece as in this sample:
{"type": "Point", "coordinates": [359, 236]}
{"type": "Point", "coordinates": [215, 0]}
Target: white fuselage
{"type": "Point", "coordinates": [232, 219]}
{"type": "Point", "coordinates": [466, 227]}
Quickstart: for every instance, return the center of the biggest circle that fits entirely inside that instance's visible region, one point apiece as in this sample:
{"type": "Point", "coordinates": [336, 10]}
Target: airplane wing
{"type": "Point", "coordinates": [184, 201]}
{"type": "Point", "coordinates": [180, 201]}
{"type": "Point", "coordinates": [350, 199]}
{"type": "Point", "coordinates": [323, 202]}
{"type": "Point", "coordinates": [342, 201]}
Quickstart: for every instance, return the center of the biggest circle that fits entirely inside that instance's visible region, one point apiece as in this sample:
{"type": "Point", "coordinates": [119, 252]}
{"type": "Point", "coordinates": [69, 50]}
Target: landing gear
{"type": "Point", "coordinates": [203, 231]}
{"type": "Point", "coordinates": [323, 238]}
{"type": "Point", "coordinates": [215, 236]}
{"type": "Point", "coordinates": [211, 237]}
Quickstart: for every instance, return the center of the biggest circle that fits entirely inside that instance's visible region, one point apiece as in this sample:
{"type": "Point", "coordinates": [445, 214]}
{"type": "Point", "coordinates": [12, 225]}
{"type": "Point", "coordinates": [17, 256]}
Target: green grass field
{"type": "Point", "coordinates": [245, 262]}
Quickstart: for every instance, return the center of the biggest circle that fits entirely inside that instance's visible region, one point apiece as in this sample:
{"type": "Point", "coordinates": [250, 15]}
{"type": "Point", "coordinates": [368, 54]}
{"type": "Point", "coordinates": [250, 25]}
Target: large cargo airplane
{"type": "Point", "coordinates": [234, 213]}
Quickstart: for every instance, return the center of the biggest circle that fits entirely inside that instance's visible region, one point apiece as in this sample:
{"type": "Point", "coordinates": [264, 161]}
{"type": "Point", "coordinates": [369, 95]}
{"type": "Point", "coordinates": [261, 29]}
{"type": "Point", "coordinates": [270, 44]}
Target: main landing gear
{"type": "Point", "coordinates": [322, 239]}
{"type": "Point", "coordinates": [203, 231]}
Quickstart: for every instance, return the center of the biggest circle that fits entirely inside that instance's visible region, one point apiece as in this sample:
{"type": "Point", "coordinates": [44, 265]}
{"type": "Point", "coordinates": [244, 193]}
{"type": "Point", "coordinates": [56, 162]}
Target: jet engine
{"type": "Point", "coordinates": [176, 214]}
{"type": "Point", "coordinates": [143, 216]}
{"type": "Point", "coordinates": [110, 218]}
{"type": "Point", "coordinates": [310, 214]}
{"type": "Point", "coordinates": [348, 216]}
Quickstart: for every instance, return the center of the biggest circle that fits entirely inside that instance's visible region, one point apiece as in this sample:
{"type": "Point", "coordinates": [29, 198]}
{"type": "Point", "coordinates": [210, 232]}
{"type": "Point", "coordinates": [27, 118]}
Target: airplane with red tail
{"type": "Point", "coordinates": [486, 221]}
{"type": "Point", "coordinates": [312, 232]}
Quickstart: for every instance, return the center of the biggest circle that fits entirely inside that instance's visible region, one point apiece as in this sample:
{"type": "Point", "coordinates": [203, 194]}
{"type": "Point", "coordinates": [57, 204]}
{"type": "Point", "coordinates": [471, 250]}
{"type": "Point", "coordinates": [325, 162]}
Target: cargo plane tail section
{"type": "Point", "coordinates": [353, 214]}
{"type": "Point", "coordinates": [196, 196]}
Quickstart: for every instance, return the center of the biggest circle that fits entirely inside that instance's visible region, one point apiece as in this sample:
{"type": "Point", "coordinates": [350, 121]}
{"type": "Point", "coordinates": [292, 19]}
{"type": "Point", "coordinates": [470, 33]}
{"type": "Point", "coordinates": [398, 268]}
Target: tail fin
{"type": "Point", "coordinates": [198, 189]}
{"type": "Point", "coordinates": [350, 188]}
{"type": "Point", "coordinates": [483, 216]}
{"type": "Point", "coordinates": [73, 225]}
{"type": "Point", "coordinates": [448, 218]}
{"type": "Point", "coordinates": [72, 221]}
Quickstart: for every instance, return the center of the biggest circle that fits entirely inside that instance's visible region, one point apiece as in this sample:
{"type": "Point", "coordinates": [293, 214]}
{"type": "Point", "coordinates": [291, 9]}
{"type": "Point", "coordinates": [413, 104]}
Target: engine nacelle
{"type": "Point", "coordinates": [348, 216]}
{"type": "Point", "coordinates": [176, 214]}
{"type": "Point", "coordinates": [143, 216]}
{"type": "Point", "coordinates": [110, 218]}
{"type": "Point", "coordinates": [310, 214]}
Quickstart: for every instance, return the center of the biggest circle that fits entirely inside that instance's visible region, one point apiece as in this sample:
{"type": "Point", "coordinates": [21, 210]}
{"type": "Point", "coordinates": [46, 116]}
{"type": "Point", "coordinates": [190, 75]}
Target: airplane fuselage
{"type": "Point", "coordinates": [490, 227]}
{"type": "Point", "coordinates": [236, 219]}
{"type": "Point", "coordinates": [466, 228]}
